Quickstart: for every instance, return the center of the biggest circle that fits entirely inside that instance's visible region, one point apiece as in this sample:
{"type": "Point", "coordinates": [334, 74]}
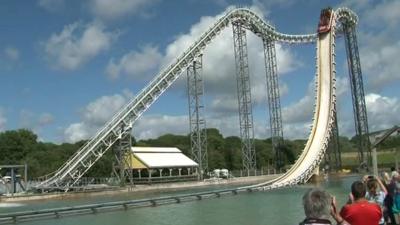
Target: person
{"type": "Point", "coordinates": [388, 202]}
{"type": "Point", "coordinates": [376, 193]}
{"type": "Point", "coordinates": [395, 191]}
{"type": "Point", "coordinates": [386, 178]}
{"type": "Point", "coordinates": [318, 206]}
{"type": "Point", "coordinates": [392, 169]}
{"type": "Point", "coordinates": [360, 211]}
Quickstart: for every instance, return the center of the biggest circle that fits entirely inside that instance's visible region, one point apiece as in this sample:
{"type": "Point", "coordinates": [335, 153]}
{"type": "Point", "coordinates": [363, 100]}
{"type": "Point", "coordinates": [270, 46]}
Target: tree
{"type": "Point", "coordinates": [15, 145]}
{"type": "Point", "coordinates": [21, 146]}
{"type": "Point", "coordinates": [264, 153]}
{"type": "Point", "coordinates": [287, 152]}
{"type": "Point", "coordinates": [215, 148]}
{"type": "Point", "coordinates": [233, 155]}
{"type": "Point", "coordinates": [346, 145]}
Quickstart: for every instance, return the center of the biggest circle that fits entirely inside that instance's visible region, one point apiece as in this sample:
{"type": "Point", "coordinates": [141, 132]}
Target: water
{"type": "Point", "coordinates": [273, 207]}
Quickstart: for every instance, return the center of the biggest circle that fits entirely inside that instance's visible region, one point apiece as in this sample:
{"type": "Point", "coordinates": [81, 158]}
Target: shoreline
{"type": "Point", "coordinates": [141, 188]}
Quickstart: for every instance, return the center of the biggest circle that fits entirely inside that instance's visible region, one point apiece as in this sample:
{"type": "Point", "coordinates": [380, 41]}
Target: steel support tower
{"type": "Point", "coordinates": [244, 96]}
{"type": "Point", "coordinates": [274, 104]}
{"type": "Point", "coordinates": [122, 168]}
{"type": "Point", "coordinates": [197, 122]}
{"type": "Point", "coordinates": [357, 93]}
{"type": "Point", "coordinates": [333, 155]}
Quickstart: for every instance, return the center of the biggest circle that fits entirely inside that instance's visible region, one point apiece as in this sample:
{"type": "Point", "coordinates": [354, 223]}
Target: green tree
{"type": "Point", "coordinates": [15, 145]}
{"type": "Point", "coordinates": [346, 145]}
{"type": "Point", "coordinates": [215, 148]}
{"type": "Point", "coordinates": [233, 155]}
{"type": "Point", "coordinates": [288, 153]}
{"type": "Point", "coordinates": [264, 153]}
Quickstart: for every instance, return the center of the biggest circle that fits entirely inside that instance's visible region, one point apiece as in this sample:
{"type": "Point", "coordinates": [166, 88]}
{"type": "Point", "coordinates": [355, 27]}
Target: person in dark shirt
{"type": "Point", "coordinates": [389, 200]}
{"type": "Point", "coordinates": [395, 191]}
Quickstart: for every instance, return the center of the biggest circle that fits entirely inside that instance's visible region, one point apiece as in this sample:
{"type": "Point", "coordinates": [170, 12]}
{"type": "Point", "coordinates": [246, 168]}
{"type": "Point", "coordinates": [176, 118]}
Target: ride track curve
{"type": "Point", "coordinates": [78, 164]}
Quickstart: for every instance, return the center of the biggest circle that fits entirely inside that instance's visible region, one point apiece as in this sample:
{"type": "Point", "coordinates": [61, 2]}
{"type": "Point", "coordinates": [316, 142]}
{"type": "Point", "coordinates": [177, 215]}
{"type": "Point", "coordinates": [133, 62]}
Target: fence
{"type": "Point", "coordinates": [255, 172]}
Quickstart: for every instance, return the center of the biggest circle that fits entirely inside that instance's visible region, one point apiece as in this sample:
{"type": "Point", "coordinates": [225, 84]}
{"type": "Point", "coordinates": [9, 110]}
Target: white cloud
{"type": "Point", "coordinates": [153, 126]}
{"type": "Point", "coordinates": [95, 115]}
{"type": "Point", "coordinates": [31, 120]}
{"type": "Point", "coordinates": [220, 81]}
{"type": "Point", "coordinates": [220, 72]}
{"type": "Point", "coordinates": [102, 109]}
{"type": "Point", "coordinates": [221, 2]}
{"type": "Point", "coordinates": [76, 132]}
{"type": "Point", "coordinates": [219, 62]}
{"type": "Point", "coordinates": [302, 110]}
{"type": "Point", "coordinates": [224, 104]}
{"type": "Point", "coordinates": [296, 130]}
{"type": "Point", "coordinates": [297, 117]}
{"type": "Point", "coordinates": [98, 112]}
{"type": "Point", "coordinates": [379, 65]}
{"type": "Point", "coordinates": [11, 53]}
{"type": "Point", "coordinates": [388, 13]}
{"type": "Point", "coordinates": [383, 112]}
{"type": "Point", "coordinates": [45, 119]}
{"type": "Point", "coordinates": [267, 5]}
{"type": "Point", "coordinates": [51, 5]}
{"type": "Point", "coordinates": [219, 77]}
{"type": "Point", "coordinates": [26, 119]}
{"type": "Point", "coordinates": [106, 9]}
{"type": "Point", "coordinates": [356, 4]}
{"type": "Point", "coordinates": [3, 120]}
{"type": "Point", "coordinates": [378, 41]}
{"type": "Point", "coordinates": [342, 87]}
{"type": "Point", "coordinates": [135, 64]}
{"type": "Point", "coordinates": [77, 44]}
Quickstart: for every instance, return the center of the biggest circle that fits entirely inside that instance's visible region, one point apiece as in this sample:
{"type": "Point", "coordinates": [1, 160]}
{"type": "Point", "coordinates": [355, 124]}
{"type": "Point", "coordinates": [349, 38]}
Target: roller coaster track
{"type": "Point", "coordinates": [324, 109]}
{"type": "Point", "coordinates": [79, 163]}
{"type": "Point", "coordinates": [325, 102]}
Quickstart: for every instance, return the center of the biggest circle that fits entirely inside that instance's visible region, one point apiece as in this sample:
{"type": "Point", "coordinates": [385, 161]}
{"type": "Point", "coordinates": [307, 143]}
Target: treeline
{"type": "Point", "coordinates": [22, 146]}
{"type": "Point", "coordinates": [225, 152]}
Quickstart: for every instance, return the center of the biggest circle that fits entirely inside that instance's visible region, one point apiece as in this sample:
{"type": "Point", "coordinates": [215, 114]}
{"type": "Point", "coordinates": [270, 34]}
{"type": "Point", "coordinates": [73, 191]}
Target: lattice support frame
{"type": "Point", "coordinates": [274, 104]}
{"type": "Point", "coordinates": [244, 96]}
{"type": "Point", "coordinates": [357, 93]}
{"type": "Point", "coordinates": [122, 167]}
{"type": "Point", "coordinates": [197, 122]}
{"type": "Point", "coordinates": [333, 156]}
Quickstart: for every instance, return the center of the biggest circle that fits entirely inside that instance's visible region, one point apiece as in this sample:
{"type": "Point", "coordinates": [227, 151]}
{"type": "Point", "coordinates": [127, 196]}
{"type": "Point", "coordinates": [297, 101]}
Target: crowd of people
{"type": "Point", "coordinates": [372, 201]}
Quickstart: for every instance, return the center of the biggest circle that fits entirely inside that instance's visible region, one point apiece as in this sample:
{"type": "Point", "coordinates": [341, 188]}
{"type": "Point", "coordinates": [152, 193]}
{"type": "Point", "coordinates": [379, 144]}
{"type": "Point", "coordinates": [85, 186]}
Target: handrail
{"type": "Point", "coordinates": [6, 218]}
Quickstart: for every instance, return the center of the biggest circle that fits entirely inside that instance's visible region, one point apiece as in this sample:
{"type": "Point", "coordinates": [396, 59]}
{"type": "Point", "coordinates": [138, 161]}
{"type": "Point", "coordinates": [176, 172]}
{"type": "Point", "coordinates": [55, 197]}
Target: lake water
{"type": "Point", "coordinates": [281, 207]}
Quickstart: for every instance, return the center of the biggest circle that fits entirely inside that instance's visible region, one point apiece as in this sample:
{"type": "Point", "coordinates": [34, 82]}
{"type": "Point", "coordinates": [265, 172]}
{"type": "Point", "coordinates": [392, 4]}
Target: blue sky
{"type": "Point", "coordinates": [67, 66]}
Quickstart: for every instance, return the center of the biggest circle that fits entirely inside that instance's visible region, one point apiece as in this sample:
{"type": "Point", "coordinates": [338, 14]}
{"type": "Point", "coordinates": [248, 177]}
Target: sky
{"type": "Point", "coordinates": [67, 66]}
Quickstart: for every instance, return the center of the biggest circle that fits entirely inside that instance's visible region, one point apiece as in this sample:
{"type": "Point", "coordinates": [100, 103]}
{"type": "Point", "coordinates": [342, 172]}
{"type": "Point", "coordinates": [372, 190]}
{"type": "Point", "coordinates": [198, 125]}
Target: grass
{"type": "Point", "coordinates": [385, 158]}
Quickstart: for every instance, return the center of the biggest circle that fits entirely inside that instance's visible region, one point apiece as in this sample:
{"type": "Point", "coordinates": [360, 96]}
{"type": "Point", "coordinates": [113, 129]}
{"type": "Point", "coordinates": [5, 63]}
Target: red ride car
{"type": "Point", "coordinates": [325, 20]}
